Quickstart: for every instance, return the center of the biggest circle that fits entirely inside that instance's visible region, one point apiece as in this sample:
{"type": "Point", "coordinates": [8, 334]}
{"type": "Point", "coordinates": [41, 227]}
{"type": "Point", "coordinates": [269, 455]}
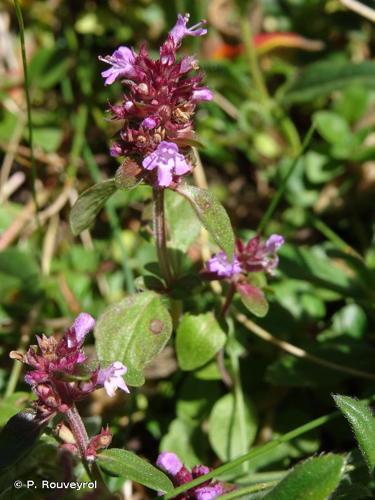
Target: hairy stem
{"type": "Point", "coordinates": [160, 234]}
{"type": "Point", "coordinates": [81, 438]}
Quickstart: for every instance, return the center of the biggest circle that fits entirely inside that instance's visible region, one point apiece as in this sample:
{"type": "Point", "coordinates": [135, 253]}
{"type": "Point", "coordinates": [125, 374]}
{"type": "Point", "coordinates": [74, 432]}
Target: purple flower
{"type": "Point", "coordinates": [274, 242]}
{"type": "Point", "coordinates": [258, 256]}
{"type": "Point", "coordinates": [221, 268]}
{"type": "Point", "coordinates": [82, 325]}
{"type": "Point", "coordinates": [209, 492]}
{"type": "Point", "coordinates": [169, 463]}
{"type": "Point", "coordinates": [168, 162]}
{"type": "Point", "coordinates": [122, 65]}
{"type": "Point", "coordinates": [57, 372]}
{"type": "Point", "coordinates": [203, 94]}
{"type": "Point", "coordinates": [158, 105]}
{"type": "Point", "coordinates": [149, 123]}
{"type": "Point", "coordinates": [180, 30]}
{"type": "Point", "coordinates": [112, 378]}
{"type": "Point", "coordinates": [179, 474]}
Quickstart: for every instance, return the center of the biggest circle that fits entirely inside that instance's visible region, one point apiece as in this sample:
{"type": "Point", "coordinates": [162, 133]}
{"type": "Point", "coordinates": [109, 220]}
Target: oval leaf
{"type": "Point", "coordinates": [133, 331]}
{"type": "Point", "coordinates": [18, 436]}
{"type": "Point", "coordinates": [128, 465]}
{"type": "Point", "coordinates": [253, 299]}
{"type": "Point", "coordinates": [225, 433]}
{"type": "Point", "coordinates": [198, 339]}
{"type": "Point", "coordinates": [212, 215]}
{"type": "Point", "coordinates": [315, 478]}
{"type": "Point", "coordinates": [88, 205]}
{"type": "Point", "coordinates": [363, 424]}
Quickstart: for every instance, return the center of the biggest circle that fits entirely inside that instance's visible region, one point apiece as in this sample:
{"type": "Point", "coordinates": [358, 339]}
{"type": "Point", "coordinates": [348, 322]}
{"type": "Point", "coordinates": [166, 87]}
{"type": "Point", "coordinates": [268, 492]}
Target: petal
{"type": "Point", "coordinates": [82, 325]}
{"type": "Point", "coordinates": [169, 462]}
{"type": "Point", "coordinates": [181, 165]}
{"type": "Point", "coordinates": [164, 176]}
{"type": "Point", "coordinates": [150, 162]}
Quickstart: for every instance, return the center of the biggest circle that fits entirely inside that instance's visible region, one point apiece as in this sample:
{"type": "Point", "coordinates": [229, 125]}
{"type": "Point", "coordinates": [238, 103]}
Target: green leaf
{"type": "Point", "coordinates": [12, 404]}
{"type": "Point", "coordinates": [88, 205]}
{"type": "Point", "coordinates": [225, 429]}
{"type": "Point", "coordinates": [18, 437]}
{"type": "Point", "coordinates": [253, 299]}
{"type": "Point", "coordinates": [133, 331]}
{"type": "Point", "coordinates": [183, 225]}
{"type": "Point", "coordinates": [351, 320]}
{"type": "Point", "coordinates": [212, 215]}
{"type": "Point", "coordinates": [198, 339]}
{"type": "Point", "coordinates": [313, 479]}
{"type": "Point", "coordinates": [332, 127]}
{"type": "Point", "coordinates": [186, 439]}
{"type": "Point", "coordinates": [322, 78]}
{"type": "Point", "coordinates": [362, 421]}
{"type": "Point", "coordinates": [128, 465]}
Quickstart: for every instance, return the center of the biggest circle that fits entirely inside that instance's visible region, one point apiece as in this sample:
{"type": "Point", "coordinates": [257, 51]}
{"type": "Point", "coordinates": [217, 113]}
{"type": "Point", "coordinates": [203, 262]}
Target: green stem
{"type": "Point", "coordinates": [239, 406]}
{"type": "Point", "coordinates": [276, 199]}
{"type": "Point", "coordinates": [257, 76]}
{"type": "Point", "coordinates": [249, 489]}
{"type": "Point", "coordinates": [256, 452]}
{"type": "Point", "coordinates": [28, 99]}
{"type": "Point", "coordinates": [160, 235]}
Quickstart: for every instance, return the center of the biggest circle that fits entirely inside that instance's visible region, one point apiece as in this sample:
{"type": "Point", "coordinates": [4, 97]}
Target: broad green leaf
{"type": "Point", "coordinates": [47, 138]}
{"type": "Point", "coordinates": [322, 78]}
{"type": "Point", "coordinates": [253, 299]}
{"type": "Point", "coordinates": [225, 429]}
{"type": "Point", "coordinates": [186, 439]}
{"type": "Point", "coordinates": [183, 225]}
{"type": "Point", "coordinates": [331, 126]}
{"type": "Point", "coordinates": [128, 465]}
{"type": "Point", "coordinates": [198, 339]}
{"type": "Point", "coordinates": [362, 422]}
{"type": "Point", "coordinates": [133, 331]}
{"type": "Point", "coordinates": [12, 404]}
{"type": "Point", "coordinates": [196, 398]}
{"type": "Point", "coordinates": [313, 265]}
{"type": "Point", "coordinates": [88, 205]}
{"type": "Point", "coordinates": [314, 479]}
{"type": "Point", "coordinates": [212, 215]}
{"type": "Point", "coordinates": [351, 320]}
{"type": "Point", "coordinates": [18, 436]}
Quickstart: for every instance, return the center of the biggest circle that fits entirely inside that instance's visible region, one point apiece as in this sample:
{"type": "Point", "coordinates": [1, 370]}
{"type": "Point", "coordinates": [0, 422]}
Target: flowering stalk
{"type": "Point", "coordinates": [160, 234]}
{"type": "Point", "coordinates": [60, 375]}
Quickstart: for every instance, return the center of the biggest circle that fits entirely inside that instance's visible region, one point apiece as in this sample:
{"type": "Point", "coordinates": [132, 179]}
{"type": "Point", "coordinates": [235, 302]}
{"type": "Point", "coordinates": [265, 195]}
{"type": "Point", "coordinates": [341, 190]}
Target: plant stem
{"type": "Point", "coordinates": [297, 351]}
{"type": "Point", "coordinates": [276, 199]}
{"type": "Point", "coordinates": [160, 235]}
{"type": "Point", "coordinates": [28, 99]}
{"type": "Point", "coordinates": [247, 39]}
{"type": "Point", "coordinates": [81, 438]}
{"type": "Point", "coordinates": [225, 376]}
{"type": "Point", "coordinates": [78, 429]}
{"type": "Point", "coordinates": [239, 403]}
{"type": "Point", "coordinates": [248, 489]}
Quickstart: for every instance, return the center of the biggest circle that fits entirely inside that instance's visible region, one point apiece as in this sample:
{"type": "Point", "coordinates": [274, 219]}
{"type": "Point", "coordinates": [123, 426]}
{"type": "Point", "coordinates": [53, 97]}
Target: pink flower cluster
{"type": "Point", "coordinates": [158, 107]}
{"type": "Point", "coordinates": [179, 474]}
{"type": "Point", "coordinates": [253, 257]}
{"type": "Point", "coordinates": [59, 374]}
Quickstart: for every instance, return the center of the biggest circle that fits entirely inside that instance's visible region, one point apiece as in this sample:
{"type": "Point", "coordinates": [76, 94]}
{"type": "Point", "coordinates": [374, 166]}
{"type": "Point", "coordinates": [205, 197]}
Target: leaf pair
{"type": "Point", "coordinates": [208, 209]}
